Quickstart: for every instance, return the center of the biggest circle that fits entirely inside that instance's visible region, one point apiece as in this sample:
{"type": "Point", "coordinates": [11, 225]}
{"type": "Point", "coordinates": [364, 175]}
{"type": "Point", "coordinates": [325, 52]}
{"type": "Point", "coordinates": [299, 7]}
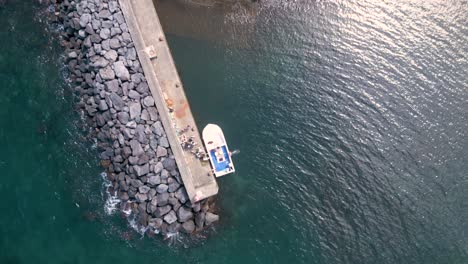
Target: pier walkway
{"type": "Point", "coordinates": [169, 96]}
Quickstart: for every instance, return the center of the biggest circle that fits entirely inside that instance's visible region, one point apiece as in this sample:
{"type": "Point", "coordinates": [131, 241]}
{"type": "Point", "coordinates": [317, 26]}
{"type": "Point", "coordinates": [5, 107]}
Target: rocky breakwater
{"type": "Point", "coordinates": [107, 76]}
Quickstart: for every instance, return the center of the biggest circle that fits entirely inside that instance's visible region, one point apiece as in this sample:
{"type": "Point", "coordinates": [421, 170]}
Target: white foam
{"type": "Point", "coordinates": [112, 201]}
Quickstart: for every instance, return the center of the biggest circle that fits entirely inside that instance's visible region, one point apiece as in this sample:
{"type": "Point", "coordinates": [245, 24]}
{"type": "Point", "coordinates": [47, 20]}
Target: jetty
{"type": "Point", "coordinates": [169, 96]}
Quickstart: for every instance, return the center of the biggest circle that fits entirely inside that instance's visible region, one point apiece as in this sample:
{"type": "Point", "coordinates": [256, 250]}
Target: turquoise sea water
{"type": "Point", "coordinates": [351, 119]}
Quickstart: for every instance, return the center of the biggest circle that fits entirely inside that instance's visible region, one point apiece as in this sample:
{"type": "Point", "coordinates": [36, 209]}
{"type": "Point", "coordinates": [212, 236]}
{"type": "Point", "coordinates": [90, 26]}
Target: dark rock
{"type": "Point", "coordinates": [141, 197]}
{"type": "Point", "coordinates": [162, 210]}
{"type": "Point", "coordinates": [200, 220]}
{"type": "Point", "coordinates": [155, 223]}
{"type": "Point", "coordinates": [181, 194]}
{"type": "Point", "coordinates": [163, 199]}
{"type": "Point", "coordinates": [184, 214]}
{"type": "Point", "coordinates": [169, 164]}
{"type": "Point", "coordinates": [188, 227]}
{"type": "Point", "coordinates": [173, 187]}
{"type": "Point", "coordinates": [117, 101]}
{"type": "Point", "coordinates": [141, 170]}
{"type": "Point", "coordinates": [123, 196]}
{"type": "Point", "coordinates": [173, 228]}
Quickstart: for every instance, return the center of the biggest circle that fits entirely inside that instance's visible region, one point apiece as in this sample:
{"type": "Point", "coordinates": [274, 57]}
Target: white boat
{"type": "Point", "coordinates": [218, 151]}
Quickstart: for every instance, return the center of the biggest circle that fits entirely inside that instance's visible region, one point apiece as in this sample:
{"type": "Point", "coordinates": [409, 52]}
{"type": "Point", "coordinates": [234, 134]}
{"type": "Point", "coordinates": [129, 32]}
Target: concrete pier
{"type": "Point", "coordinates": [169, 96]}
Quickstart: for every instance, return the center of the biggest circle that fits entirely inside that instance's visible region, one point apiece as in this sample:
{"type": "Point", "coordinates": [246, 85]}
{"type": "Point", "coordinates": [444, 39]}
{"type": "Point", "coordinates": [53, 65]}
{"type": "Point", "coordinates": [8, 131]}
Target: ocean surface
{"type": "Point", "coordinates": [351, 118]}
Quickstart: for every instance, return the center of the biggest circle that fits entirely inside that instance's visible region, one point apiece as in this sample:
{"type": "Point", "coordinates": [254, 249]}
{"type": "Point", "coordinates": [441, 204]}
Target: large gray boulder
{"type": "Point", "coordinates": [161, 188]}
{"type": "Point", "coordinates": [181, 194]}
{"type": "Point", "coordinates": [117, 102]}
{"type": "Point", "coordinates": [169, 164]}
{"type": "Point", "coordinates": [141, 197]}
{"type": "Point", "coordinates": [144, 189]}
{"type": "Point", "coordinates": [154, 180]}
{"type": "Point", "coordinates": [141, 170]}
{"type": "Point", "coordinates": [135, 110]}
{"type": "Point", "coordinates": [170, 217]}
{"type": "Point", "coordinates": [162, 210]}
{"type": "Point", "coordinates": [161, 152]}
{"type": "Point", "coordinates": [107, 73]}
{"type": "Point", "coordinates": [184, 214]}
{"type": "Point", "coordinates": [121, 71]}
{"type": "Point", "coordinates": [137, 150]}
{"type": "Point", "coordinates": [123, 117]}
{"type": "Point", "coordinates": [148, 101]}
{"type": "Point", "coordinates": [112, 86]}
{"type": "Point", "coordinates": [163, 199]}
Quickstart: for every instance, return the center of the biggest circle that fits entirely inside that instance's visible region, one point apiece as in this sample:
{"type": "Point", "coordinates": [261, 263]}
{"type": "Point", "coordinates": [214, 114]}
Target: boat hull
{"type": "Point", "coordinates": [218, 151]}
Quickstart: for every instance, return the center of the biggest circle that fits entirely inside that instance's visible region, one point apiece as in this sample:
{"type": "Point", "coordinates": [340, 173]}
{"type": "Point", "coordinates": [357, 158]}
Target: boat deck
{"type": "Point", "coordinates": [169, 96]}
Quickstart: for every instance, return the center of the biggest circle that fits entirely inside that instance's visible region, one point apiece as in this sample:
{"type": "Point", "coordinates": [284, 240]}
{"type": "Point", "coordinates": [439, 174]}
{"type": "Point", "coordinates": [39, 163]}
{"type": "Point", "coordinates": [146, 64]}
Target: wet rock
{"type": "Point", "coordinates": [155, 223]}
{"type": "Point", "coordinates": [200, 220]}
{"type": "Point", "coordinates": [188, 227]}
{"type": "Point", "coordinates": [123, 196]}
{"type": "Point", "coordinates": [211, 218]}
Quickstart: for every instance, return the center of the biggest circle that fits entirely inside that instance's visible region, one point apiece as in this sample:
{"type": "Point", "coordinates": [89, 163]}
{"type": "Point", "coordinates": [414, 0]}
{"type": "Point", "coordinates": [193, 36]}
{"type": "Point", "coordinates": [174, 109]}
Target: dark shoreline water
{"type": "Point", "coordinates": [351, 118]}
